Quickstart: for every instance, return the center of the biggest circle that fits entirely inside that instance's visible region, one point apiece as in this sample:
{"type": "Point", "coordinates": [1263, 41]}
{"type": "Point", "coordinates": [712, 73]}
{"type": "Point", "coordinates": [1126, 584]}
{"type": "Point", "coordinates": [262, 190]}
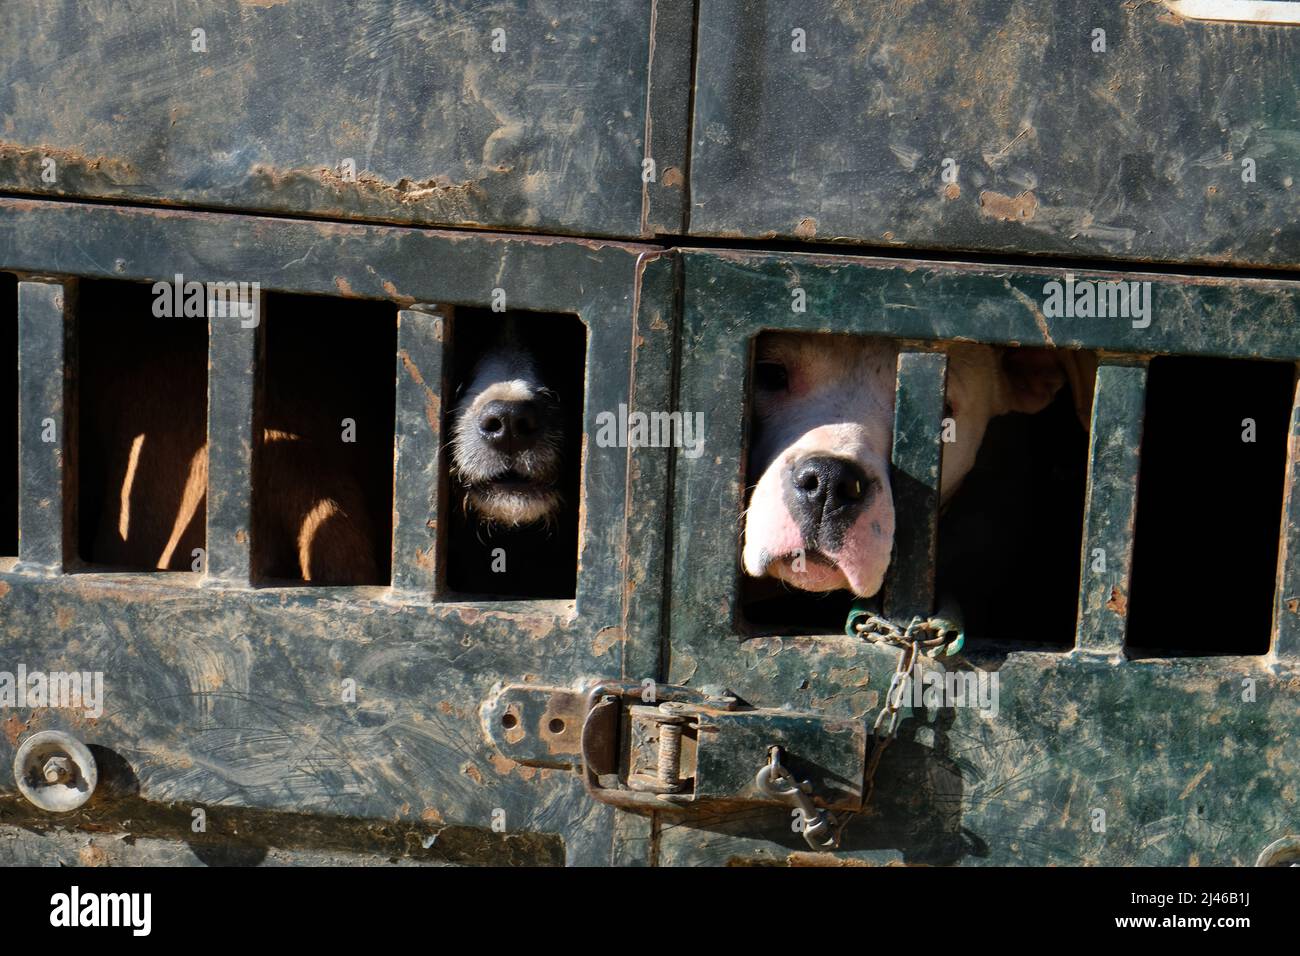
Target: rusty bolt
{"type": "Point", "coordinates": [49, 758]}
{"type": "Point", "coordinates": [58, 770]}
{"type": "Point", "coordinates": [670, 752]}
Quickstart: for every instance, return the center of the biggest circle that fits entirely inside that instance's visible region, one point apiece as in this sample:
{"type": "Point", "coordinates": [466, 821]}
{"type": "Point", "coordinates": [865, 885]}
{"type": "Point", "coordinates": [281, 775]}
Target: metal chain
{"type": "Point", "coordinates": [944, 633]}
{"type": "Point", "coordinates": [892, 711]}
{"type": "Point", "coordinates": [945, 637]}
{"type": "Point", "coordinates": [822, 829]}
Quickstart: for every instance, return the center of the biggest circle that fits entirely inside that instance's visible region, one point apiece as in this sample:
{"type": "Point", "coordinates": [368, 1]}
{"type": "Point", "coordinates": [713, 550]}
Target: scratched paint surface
{"type": "Point", "coordinates": [1184, 768]}
{"type": "Point", "coordinates": [545, 132]}
{"type": "Point", "coordinates": [231, 698]}
{"type": "Point", "coordinates": [228, 699]}
{"type": "Point", "coordinates": [1136, 152]}
{"type": "Point", "coordinates": [231, 701]}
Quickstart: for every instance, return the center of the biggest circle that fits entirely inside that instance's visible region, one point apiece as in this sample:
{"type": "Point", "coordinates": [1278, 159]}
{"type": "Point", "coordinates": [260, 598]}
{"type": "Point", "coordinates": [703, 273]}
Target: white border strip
{"type": "Point", "coordinates": [1239, 11]}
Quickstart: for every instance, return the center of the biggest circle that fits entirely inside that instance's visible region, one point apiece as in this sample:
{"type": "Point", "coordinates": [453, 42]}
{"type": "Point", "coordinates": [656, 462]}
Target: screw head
{"type": "Point", "coordinates": [58, 770]}
{"type": "Point", "coordinates": [55, 771]}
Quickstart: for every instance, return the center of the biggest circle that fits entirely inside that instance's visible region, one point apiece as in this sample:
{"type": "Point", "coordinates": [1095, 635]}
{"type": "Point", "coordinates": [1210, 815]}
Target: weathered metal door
{"type": "Point", "coordinates": [1084, 752]}
{"type": "Point", "coordinates": [238, 719]}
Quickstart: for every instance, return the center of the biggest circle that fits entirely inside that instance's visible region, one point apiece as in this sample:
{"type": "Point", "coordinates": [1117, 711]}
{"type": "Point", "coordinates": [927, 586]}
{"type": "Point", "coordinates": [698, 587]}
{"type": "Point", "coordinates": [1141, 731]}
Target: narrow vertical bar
{"type": "Point", "coordinates": [46, 426]}
{"type": "Point", "coordinates": [232, 360]}
{"type": "Point", "coordinates": [1286, 604]}
{"type": "Point", "coordinates": [421, 333]}
{"type": "Point", "coordinates": [647, 507]}
{"type": "Point", "coordinates": [1110, 507]}
{"type": "Point", "coordinates": [917, 462]}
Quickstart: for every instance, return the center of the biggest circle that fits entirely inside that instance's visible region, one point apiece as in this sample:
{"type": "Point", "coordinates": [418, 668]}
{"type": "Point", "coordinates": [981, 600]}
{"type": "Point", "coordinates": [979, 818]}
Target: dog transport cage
{"type": "Point", "coordinates": [249, 721]}
{"type": "Point", "coordinates": [1077, 730]}
{"type": "Point", "coordinates": [225, 694]}
{"type": "Point", "coordinates": [1162, 132]}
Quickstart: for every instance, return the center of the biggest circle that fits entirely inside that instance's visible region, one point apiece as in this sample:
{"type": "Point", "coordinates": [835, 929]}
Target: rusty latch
{"type": "Point", "coordinates": [636, 753]}
{"type": "Point", "coordinates": [660, 746]}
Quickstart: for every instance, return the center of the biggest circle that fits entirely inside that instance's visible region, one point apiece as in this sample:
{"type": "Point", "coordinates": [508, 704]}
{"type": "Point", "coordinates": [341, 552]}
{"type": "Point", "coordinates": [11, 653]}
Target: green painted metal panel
{"type": "Point", "coordinates": [998, 125]}
{"type": "Point", "coordinates": [232, 352]}
{"type": "Point", "coordinates": [44, 393]}
{"type": "Point", "coordinates": [1074, 757]}
{"type": "Point", "coordinates": [228, 698]}
{"type": "Point", "coordinates": [917, 460]}
{"type": "Point", "coordinates": [1286, 609]}
{"type": "Point", "coordinates": [1183, 770]}
{"type": "Point", "coordinates": [506, 115]}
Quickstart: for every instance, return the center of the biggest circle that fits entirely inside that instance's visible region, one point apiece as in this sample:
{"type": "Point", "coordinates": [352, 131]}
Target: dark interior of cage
{"type": "Point", "coordinates": [1209, 506]}
{"type": "Point", "coordinates": [322, 470]}
{"type": "Point", "coordinates": [512, 438]}
{"type": "Point", "coordinates": [1009, 540]}
{"type": "Point", "coordinates": [141, 477]}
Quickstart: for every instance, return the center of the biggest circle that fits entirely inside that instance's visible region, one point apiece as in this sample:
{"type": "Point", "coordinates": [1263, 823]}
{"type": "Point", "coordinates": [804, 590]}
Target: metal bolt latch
{"type": "Point", "coordinates": [669, 725]}
{"type": "Point", "coordinates": [55, 771]}
{"type": "Point", "coordinates": [652, 747]}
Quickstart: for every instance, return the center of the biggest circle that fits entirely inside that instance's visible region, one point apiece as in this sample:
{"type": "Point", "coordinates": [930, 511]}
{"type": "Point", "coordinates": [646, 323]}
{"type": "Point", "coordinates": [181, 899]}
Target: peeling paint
{"type": "Point", "coordinates": [1020, 208]}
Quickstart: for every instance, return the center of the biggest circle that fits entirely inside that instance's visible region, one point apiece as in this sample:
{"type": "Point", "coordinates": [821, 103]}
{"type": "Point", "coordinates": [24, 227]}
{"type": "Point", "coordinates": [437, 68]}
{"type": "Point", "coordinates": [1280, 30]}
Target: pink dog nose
{"type": "Point", "coordinates": [825, 495]}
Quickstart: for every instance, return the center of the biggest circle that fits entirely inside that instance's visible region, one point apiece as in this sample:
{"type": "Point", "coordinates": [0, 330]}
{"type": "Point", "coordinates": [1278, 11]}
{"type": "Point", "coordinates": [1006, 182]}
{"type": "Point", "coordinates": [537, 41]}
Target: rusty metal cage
{"type": "Point", "coordinates": [219, 684]}
{"type": "Point", "coordinates": [662, 173]}
{"type": "Point", "coordinates": [960, 773]}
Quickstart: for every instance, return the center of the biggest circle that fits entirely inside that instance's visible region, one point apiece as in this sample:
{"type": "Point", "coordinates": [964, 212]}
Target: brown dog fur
{"type": "Point", "coordinates": [144, 463]}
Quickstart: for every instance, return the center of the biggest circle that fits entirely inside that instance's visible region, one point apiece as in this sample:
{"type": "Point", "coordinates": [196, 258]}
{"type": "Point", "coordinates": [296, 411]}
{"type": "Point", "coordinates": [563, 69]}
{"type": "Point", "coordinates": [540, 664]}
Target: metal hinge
{"type": "Point", "coordinates": [646, 746]}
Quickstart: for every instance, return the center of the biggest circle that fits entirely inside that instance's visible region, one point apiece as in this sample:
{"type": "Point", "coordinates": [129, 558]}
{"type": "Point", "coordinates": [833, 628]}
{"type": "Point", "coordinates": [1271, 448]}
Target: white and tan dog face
{"type": "Point", "coordinates": [821, 516]}
{"type": "Point", "coordinates": [508, 443]}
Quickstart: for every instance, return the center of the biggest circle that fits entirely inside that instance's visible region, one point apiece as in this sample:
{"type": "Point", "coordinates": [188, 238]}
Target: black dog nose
{"type": "Point", "coordinates": [829, 491]}
{"type": "Point", "coordinates": [509, 426]}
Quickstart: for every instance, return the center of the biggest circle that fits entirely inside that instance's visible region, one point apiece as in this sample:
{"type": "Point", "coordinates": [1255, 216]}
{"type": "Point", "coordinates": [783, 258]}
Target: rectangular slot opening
{"type": "Point", "coordinates": [141, 485]}
{"type": "Point", "coordinates": [1009, 536]}
{"type": "Point", "coordinates": [1209, 506]}
{"type": "Point", "coordinates": [513, 438]}
{"type": "Point", "coordinates": [9, 423]}
{"type": "Point", "coordinates": [322, 495]}
{"type": "Point", "coordinates": [1010, 539]}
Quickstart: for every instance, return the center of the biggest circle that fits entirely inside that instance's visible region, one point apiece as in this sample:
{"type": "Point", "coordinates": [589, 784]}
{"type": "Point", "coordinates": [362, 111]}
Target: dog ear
{"type": "Point", "coordinates": [1081, 369]}
{"type": "Point", "coordinates": [1035, 375]}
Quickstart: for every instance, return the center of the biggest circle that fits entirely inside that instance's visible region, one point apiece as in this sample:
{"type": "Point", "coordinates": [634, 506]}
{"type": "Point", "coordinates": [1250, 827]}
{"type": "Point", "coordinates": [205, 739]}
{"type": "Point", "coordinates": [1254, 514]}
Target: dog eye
{"type": "Point", "coordinates": [771, 376]}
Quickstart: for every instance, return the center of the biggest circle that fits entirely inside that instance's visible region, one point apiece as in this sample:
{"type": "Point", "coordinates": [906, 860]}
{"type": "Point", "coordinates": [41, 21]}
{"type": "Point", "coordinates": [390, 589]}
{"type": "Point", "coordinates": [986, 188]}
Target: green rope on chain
{"type": "Point", "coordinates": [864, 619]}
{"type": "Point", "coordinates": [859, 610]}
